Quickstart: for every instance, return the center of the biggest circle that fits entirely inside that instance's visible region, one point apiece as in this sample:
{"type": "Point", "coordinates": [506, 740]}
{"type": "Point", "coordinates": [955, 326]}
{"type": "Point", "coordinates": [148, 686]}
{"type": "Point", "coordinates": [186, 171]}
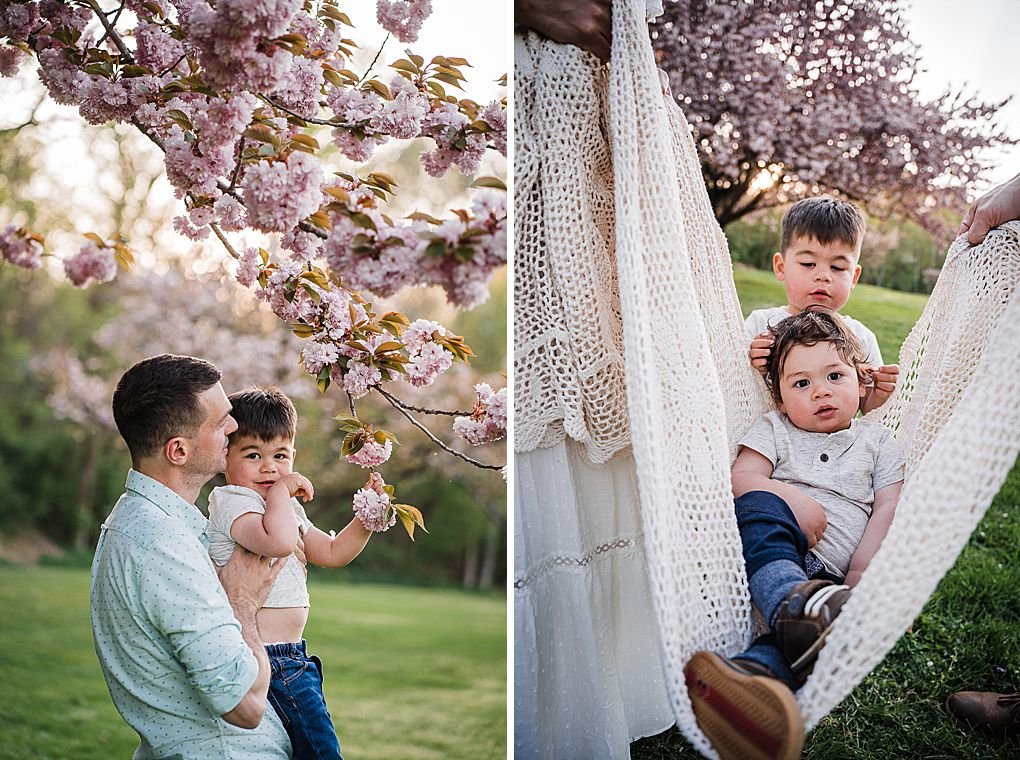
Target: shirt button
{"type": "Point", "coordinates": [825, 457]}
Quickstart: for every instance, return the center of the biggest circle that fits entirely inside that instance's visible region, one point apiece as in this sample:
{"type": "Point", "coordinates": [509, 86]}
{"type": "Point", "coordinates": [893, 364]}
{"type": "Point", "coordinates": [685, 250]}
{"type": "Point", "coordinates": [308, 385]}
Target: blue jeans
{"type": "Point", "coordinates": [295, 692]}
{"type": "Point", "coordinates": [775, 550]}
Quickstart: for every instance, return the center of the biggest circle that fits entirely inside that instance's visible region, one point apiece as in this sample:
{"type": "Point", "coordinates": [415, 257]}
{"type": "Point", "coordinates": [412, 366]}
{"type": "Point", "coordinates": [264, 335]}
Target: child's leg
{"type": "Point", "coordinates": [295, 691]}
{"type": "Point", "coordinates": [774, 548]}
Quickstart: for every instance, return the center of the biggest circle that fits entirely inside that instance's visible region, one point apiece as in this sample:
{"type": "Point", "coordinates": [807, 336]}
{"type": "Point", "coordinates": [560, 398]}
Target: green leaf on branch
{"type": "Point", "coordinates": [421, 216]}
{"type": "Point", "coordinates": [379, 87]}
{"type": "Point", "coordinates": [364, 220]}
{"type": "Point", "coordinates": [381, 436]}
{"type": "Point", "coordinates": [449, 79]}
{"type": "Point", "coordinates": [125, 258]}
{"type": "Point", "coordinates": [134, 70]}
{"type": "Point", "coordinates": [405, 65]}
{"type": "Point", "coordinates": [301, 330]}
{"type": "Point", "coordinates": [306, 143]}
{"type": "Point", "coordinates": [409, 517]}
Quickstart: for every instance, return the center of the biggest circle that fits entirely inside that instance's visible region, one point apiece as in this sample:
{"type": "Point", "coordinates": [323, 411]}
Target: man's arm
{"type": "Point", "coordinates": [997, 206]}
{"type": "Point", "coordinates": [882, 512]}
{"type": "Point", "coordinates": [752, 471]}
{"type": "Point", "coordinates": [247, 579]}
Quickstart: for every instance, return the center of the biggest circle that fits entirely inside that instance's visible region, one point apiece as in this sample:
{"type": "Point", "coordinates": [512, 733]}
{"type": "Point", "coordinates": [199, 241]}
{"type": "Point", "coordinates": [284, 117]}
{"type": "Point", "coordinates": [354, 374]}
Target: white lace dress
{"type": "Point", "coordinates": [587, 672]}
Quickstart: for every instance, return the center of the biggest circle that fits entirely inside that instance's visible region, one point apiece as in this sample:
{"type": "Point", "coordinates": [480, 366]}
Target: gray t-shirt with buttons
{"type": "Point", "coordinates": [841, 471]}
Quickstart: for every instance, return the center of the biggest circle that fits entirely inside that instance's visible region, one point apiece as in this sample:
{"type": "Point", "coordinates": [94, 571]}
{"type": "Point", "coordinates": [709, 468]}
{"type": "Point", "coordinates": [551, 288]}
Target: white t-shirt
{"type": "Point", "coordinates": [841, 471]}
{"type": "Point", "coordinates": [226, 504]}
{"type": "Point", "coordinates": [760, 320]}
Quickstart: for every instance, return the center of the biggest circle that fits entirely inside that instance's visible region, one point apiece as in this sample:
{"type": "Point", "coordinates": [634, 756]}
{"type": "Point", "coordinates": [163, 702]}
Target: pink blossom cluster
{"type": "Point", "coordinates": [278, 195]}
{"type": "Point", "coordinates": [381, 260]}
{"type": "Point", "coordinates": [487, 422]}
{"type": "Point", "coordinates": [299, 89]}
{"type": "Point", "coordinates": [403, 18]}
{"type": "Point", "coordinates": [428, 359]}
{"type": "Point", "coordinates": [234, 42]}
{"type": "Point", "coordinates": [372, 453]}
{"type": "Point", "coordinates": [19, 249]}
{"type": "Point", "coordinates": [374, 510]}
{"type": "Point", "coordinates": [248, 267]}
{"type": "Point", "coordinates": [156, 48]}
{"type": "Point", "coordinates": [91, 264]}
{"type": "Point", "coordinates": [455, 144]}
{"type": "Point", "coordinates": [316, 355]}
{"type": "Point", "coordinates": [466, 280]}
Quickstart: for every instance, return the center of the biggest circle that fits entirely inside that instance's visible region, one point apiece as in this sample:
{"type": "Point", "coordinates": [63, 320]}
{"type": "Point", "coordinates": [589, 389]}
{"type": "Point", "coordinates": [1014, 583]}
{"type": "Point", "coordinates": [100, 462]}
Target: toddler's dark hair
{"type": "Point", "coordinates": [263, 413]}
{"type": "Point", "coordinates": [824, 218]}
{"type": "Point", "coordinates": [816, 324]}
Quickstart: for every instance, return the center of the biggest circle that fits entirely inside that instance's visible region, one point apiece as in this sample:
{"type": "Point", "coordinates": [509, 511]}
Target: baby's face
{"type": "Point", "coordinates": [817, 274]}
{"type": "Point", "coordinates": [258, 464]}
{"type": "Point", "coordinates": [821, 392]}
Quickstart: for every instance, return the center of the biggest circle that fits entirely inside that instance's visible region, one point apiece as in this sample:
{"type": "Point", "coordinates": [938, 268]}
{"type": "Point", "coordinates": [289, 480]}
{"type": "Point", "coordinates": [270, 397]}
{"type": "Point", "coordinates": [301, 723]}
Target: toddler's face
{"type": "Point", "coordinates": [821, 392]}
{"type": "Point", "coordinates": [258, 464]}
{"type": "Point", "coordinates": [817, 274]}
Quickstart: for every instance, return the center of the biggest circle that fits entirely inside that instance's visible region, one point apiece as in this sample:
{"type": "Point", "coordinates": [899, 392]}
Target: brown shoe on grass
{"type": "Point", "coordinates": [803, 621]}
{"type": "Point", "coordinates": [746, 713]}
{"type": "Point", "coordinates": [996, 714]}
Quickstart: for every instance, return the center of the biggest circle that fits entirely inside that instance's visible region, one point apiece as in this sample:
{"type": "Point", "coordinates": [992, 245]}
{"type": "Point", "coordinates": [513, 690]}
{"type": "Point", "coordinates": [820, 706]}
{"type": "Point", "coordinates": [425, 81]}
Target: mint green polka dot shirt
{"type": "Point", "coordinates": [167, 640]}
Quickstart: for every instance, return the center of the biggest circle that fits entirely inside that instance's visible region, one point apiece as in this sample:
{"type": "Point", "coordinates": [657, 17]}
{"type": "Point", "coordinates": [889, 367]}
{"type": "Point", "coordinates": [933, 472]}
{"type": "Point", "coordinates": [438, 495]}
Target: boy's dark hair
{"type": "Point", "coordinates": [157, 399]}
{"type": "Point", "coordinates": [824, 218]}
{"type": "Point", "coordinates": [816, 324]}
{"type": "Point", "coordinates": [263, 413]}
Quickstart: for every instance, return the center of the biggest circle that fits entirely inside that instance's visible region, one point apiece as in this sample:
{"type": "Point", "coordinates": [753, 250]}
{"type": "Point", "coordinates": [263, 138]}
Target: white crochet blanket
{"type": "Point", "coordinates": [628, 330]}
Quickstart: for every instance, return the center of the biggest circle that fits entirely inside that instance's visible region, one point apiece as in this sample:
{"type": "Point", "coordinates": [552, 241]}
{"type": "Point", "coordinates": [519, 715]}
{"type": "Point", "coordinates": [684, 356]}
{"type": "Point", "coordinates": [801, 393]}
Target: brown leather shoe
{"type": "Point", "coordinates": [803, 621]}
{"type": "Point", "coordinates": [744, 712]}
{"type": "Point", "coordinates": [996, 714]}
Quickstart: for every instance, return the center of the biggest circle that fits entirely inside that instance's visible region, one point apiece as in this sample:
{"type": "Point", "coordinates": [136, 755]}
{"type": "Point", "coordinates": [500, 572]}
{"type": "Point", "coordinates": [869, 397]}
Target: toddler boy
{"type": "Point", "coordinates": [259, 511]}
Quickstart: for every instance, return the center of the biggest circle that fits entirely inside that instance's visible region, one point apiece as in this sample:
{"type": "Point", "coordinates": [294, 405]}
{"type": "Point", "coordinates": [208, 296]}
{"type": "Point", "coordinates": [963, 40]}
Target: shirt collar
{"type": "Point", "coordinates": [168, 501]}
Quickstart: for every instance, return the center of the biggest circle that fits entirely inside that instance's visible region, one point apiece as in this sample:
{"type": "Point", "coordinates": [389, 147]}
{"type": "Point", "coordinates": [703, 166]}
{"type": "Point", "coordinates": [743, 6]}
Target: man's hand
{"type": "Point", "coordinates": [761, 348]}
{"type": "Point", "coordinates": [248, 577]}
{"type": "Point", "coordinates": [997, 206]}
{"type": "Point", "coordinates": [883, 383]}
{"type": "Point", "coordinates": [296, 484]}
{"type": "Point", "coordinates": [588, 24]}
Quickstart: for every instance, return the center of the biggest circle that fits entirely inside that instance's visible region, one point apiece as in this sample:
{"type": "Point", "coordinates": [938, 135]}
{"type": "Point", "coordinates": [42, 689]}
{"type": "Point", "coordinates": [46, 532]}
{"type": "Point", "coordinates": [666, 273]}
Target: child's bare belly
{"type": "Point", "coordinates": [279, 625]}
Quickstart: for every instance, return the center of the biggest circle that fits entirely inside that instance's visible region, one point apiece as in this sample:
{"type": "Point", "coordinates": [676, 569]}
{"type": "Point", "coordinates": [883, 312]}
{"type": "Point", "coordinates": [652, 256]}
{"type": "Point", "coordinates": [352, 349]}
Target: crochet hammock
{"type": "Point", "coordinates": [650, 306]}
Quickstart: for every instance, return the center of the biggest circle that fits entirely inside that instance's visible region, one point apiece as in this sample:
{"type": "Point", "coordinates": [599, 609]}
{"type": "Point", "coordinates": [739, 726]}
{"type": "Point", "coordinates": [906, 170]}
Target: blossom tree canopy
{"type": "Point", "coordinates": [237, 94]}
{"type": "Point", "coordinates": [788, 96]}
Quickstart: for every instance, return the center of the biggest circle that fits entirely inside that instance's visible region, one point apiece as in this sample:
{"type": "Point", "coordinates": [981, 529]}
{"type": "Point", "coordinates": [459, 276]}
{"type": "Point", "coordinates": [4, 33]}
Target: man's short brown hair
{"type": "Point", "coordinates": [816, 324]}
{"type": "Point", "coordinates": [157, 399]}
{"type": "Point", "coordinates": [826, 219]}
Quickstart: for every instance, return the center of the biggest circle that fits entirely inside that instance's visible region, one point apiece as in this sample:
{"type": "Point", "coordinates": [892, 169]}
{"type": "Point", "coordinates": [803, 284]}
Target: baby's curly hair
{"type": "Point", "coordinates": [816, 324]}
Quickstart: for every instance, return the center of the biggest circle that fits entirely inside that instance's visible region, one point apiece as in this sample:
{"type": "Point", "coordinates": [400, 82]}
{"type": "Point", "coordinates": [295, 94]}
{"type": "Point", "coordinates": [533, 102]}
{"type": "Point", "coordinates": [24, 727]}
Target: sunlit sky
{"type": "Point", "coordinates": [972, 45]}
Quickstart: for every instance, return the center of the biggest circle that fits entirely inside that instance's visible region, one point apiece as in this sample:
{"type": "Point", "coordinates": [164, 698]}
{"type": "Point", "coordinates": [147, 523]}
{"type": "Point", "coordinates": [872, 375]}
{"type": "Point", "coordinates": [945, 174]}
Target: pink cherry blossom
{"type": "Point", "coordinates": [487, 422]}
{"type": "Point", "coordinates": [278, 195]}
{"type": "Point", "coordinates": [248, 267]}
{"type": "Point", "coordinates": [403, 18]}
{"type": "Point", "coordinates": [91, 264]}
{"type": "Point", "coordinates": [374, 510]}
{"type": "Point", "coordinates": [358, 377]}
{"type": "Point", "coordinates": [371, 454]}
{"type": "Point", "coordinates": [19, 249]}
{"type": "Point", "coordinates": [427, 364]}
{"type": "Point", "coordinates": [317, 355]}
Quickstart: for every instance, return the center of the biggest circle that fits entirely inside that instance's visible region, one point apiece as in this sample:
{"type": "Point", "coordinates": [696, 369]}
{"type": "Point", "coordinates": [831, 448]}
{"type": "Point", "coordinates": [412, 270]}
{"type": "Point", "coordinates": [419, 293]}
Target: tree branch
{"type": "Point", "coordinates": [377, 54]}
{"type": "Point", "coordinates": [421, 410]}
{"type": "Point", "coordinates": [111, 31]}
{"type": "Point", "coordinates": [432, 437]}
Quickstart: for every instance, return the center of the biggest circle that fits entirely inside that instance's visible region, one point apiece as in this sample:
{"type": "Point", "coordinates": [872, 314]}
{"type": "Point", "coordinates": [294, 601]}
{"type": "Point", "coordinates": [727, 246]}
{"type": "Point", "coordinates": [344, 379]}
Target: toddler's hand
{"type": "Point", "coordinates": [376, 483]}
{"type": "Point", "coordinates": [761, 347]}
{"type": "Point", "coordinates": [883, 383]}
{"type": "Point", "coordinates": [296, 484]}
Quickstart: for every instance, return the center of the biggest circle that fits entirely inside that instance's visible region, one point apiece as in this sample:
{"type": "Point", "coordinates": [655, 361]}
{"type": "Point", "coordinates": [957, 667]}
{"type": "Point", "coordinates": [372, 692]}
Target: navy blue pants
{"type": "Point", "coordinates": [295, 692]}
{"type": "Point", "coordinates": [776, 557]}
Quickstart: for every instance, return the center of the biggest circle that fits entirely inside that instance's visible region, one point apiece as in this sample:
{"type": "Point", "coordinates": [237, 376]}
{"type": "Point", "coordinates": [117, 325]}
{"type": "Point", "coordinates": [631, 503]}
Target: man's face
{"type": "Point", "coordinates": [208, 455]}
{"type": "Point", "coordinates": [817, 274]}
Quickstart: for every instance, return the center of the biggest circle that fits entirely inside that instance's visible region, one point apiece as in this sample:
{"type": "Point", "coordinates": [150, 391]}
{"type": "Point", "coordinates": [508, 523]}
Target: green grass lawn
{"type": "Point", "coordinates": [411, 673]}
{"type": "Point", "coordinates": [967, 636]}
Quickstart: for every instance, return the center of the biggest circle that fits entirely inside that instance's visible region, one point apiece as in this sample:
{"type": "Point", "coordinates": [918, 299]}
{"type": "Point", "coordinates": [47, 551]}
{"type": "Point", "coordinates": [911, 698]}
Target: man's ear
{"type": "Point", "coordinates": [176, 451]}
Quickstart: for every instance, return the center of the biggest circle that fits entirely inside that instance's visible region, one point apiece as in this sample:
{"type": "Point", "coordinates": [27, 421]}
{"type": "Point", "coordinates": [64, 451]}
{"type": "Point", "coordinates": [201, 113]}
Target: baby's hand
{"type": "Point", "coordinates": [883, 383]}
{"type": "Point", "coordinates": [296, 484]}
{"type": "Point", "coordinates": [376, 483]}
{"type": "Point", "coordinates": [761, 347]}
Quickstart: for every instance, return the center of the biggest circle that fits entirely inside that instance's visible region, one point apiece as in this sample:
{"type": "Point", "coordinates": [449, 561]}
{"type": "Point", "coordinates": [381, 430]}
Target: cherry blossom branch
{"type": "Point", "coordinates": [422, 410]}
{"type": "Point", "coordinates": [111, 31]}
{"type": "Point", "coordinates": [481, 465]}
{"type": "Point", "coordinates": [223, 239]}
{"type": "Point", "coordinates": [377, 54]}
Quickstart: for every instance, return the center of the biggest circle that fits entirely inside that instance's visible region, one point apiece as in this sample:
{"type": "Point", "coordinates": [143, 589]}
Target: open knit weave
{"type": "Point", "coordinates": [638, 294]}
